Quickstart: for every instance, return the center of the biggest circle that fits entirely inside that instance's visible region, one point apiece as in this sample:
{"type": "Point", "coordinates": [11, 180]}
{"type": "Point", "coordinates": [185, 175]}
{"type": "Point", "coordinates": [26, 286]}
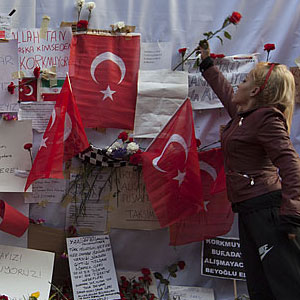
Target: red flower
{"type": "Point", "coordinates": [220, 55]}
{"type": "Point", "coordinates": [72, 230]}
{"type": "Point", "coordinates": [182, 51]}
{"type": "Point", "coordinates": [181, 265]}
{"type": "Point", "coordinates": [37, 72]}
{"type": "Point", "coordinates": [235, 17]}
{"type": "Point", "coordinates": [147, 278]}
{"type": "Point", "coordinates": [3, 297]}
{"type": "Point", "coordinates": [135, 158]}
{"type": "Point", "coordinates": [11, 89]}
{"type": "Point", "coordinates": [141, 291]}
{"type": "Point", "coordinates": [82, 24]}
{"type": "Point", "coordinates": [145, 271]}
{"type": "Point", "coordinates": [123, 278]}
{"type": "Point", "coordinates": [130, 140]}
{"type": "Point", "coordinates": [269, 47]}
{"type": "Point", "coordinates": [123, 136]}
{"type": "Point", "coordinates": [28, 146]}
{"type": "Point", "coordinates": [152, 297]}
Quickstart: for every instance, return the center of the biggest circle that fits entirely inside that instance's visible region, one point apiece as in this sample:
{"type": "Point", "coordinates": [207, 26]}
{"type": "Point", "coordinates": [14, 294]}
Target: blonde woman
{"type": "Point", "coordinates": [262, 175]}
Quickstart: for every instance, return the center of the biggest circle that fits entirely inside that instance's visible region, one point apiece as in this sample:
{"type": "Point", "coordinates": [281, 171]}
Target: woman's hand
{"type": "Point", "coordinates": [204, 48]}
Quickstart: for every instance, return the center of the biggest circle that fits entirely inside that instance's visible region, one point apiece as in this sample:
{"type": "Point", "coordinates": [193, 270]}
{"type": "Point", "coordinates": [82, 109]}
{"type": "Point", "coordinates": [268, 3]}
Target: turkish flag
{"type": "Point", "coordinates": [217, 217]}
{"type": "Point", "coordinates": [28, 89]}
{"type": "Point", "coordinates": [171, 170]}
{"type": "Point", "coordinates": [64, 138]}
{"type": "Point", "coordinates": [104, 74]}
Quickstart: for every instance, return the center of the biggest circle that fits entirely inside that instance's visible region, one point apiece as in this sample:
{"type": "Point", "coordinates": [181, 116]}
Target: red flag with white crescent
{"type": "Point", "coordinates": [104, 74]}
{"type": "Point", "coordinates": [64, 138]}
{"type": "Point", "coordinates": [217, 217]}
{"type": "Point", "coordinates": [171, 170]}
{"type": "Point", "coordinates": [28, 89]}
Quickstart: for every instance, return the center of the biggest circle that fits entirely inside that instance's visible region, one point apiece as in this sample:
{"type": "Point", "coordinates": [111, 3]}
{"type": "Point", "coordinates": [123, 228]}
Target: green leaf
{"type": "Point", "coordinates": [165, 281]}
{"type": "Point", "coordinates": [172, 268]}
{"type": "Point", "coordinates": [157, 275]}
{"type": "Point", "coordinates": [208, 34]}
{"type": "Point", "coordinates": [173, 274]}
{"type": "Point", "coordinates": [220, 39]}
{"type": "Point", "coordinates": [227, 35]}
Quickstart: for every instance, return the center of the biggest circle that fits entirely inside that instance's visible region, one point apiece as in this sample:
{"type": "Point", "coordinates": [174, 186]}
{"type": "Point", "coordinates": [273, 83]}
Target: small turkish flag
{"type": "Point", "coordinates": [64, 138]}
{"type": "Point", "coordinates": [217, 217]}
{"type": "Point", "coordinates": [104, 74]}
{"type": "Point", "coordinates": [28, 89]}
{"type": "Point", "coordinates": [171, 170]}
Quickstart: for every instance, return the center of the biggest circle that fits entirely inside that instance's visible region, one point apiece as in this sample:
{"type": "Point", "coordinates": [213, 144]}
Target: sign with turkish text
{"type": "Point", "coordinates": [35, 51]}
{"type": "Point", "coordinates": [234, 68]}
{"type": "Point", "coordinates": [221, 257]}
{"type": "Point", "coordinates": [92, 268]}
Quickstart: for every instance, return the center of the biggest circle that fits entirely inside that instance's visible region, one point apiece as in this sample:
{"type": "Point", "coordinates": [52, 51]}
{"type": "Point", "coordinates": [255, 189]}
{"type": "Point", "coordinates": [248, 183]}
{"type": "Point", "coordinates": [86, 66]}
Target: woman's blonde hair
{"type": "Point", "coordinates": [278, 90]}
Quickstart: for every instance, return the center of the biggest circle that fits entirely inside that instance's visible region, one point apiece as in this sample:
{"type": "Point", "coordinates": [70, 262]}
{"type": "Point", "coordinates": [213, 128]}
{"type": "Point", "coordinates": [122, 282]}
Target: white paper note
{"type": "Point", "coordinates": [92, 268]}
{"type": "Point", "coordinates": [13, 156]}
{"type": "Point", "coordinates": [38, 112]}
{"type": "Point", "coordinates": [25, 271]}
{"type": "Point", "coordinates": [190, 293]}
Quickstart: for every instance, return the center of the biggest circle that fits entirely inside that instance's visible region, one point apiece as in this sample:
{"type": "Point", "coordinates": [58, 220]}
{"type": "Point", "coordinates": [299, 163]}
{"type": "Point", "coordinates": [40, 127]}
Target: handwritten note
{"type": "Point", "coordinates": [24, 271]}
{"type": "Point", "coordinates": [49, 190]}
{"type": "Point", "coordinates": [38, 112]}
{"type": "Point", "coordinates": [94, 218]}
{"type": "Point", "coordinates": [92, 268]}
{"type": "Point", "coordinates": [190, 293]}
{"type": "Point", "coordinates": [5, 26]}
{"type": "Point", "coordinates": [13, 156]}
{"type": "Point", "coordinates": [53, 50]}
{"type": "Point", "coordinates": [234, 68]}
{"type": "Point", "coordinates": [8, 65]}
{"type": "Point", "coordinates": [130, 208]}
{"type": "Point", "coordinates": [155, 56]}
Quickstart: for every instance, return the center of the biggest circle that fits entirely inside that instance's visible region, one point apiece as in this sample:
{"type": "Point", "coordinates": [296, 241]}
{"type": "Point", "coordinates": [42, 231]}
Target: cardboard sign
{"type": "Point", "coordinates": [234, 68]}
{"type": "Point", "coordinates": [221, 257]}
{"type": "Point", "coordinates": [92, 268]}
{"type": "Point", "coordinates": [25, 271]}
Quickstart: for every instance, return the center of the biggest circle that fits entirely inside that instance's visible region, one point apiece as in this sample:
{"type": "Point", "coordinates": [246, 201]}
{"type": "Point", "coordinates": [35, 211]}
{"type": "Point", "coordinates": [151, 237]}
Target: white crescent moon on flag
{"type": "Point", "coordinates": [53, 117]}
{"type": "Point", "coordinates": [108, 56]}
{"type": "Point", "coordinates": [175, 138]}
{"type": "Point", "coordinates": [209, 169]}
{"type": "Point", "coordinates": [31, 90]}
{"type": "Point", "coordinates": [68, 126]}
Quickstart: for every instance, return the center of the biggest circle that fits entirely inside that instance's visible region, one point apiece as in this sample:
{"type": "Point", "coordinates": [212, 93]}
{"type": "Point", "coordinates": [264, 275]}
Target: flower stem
{"type": "Point", "coordinates": [184, 60]}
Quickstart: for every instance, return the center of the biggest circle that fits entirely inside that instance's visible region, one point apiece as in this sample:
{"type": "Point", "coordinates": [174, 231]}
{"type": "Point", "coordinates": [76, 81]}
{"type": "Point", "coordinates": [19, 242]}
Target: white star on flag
{"type": "Point", "coordinates": [43, 143]}
{"type": "Point", "coordinates": [180, 177]}
{"type": "Point", "coordinates": [108, 93]}
{"type": "Point", "coordinates": [205, 205]}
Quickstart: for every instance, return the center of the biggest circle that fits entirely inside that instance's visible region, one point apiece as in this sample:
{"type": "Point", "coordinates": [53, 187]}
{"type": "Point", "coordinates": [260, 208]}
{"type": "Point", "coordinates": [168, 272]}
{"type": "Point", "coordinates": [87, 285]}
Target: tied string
{"type": "Point", "coordinates": [267, 76]}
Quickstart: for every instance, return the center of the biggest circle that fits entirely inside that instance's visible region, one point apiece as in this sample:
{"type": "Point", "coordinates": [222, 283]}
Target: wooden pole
{"type": "Point", "coordinates": [235, 289]}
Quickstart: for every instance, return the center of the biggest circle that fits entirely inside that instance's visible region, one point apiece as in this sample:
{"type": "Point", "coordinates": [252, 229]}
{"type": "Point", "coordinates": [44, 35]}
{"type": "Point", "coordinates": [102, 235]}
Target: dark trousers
{"type": "Point", "coordinates": [271, 260]}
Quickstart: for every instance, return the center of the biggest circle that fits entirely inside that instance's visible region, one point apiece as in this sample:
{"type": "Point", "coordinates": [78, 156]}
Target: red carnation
{"type": "Point", "coordinates": [82, 24]}
{"type": "Point", "coordinates": [130, 140]}
{"type": "Point", "coordinates": [28, 146]}
{"type": "Point", "coordinates": [37, 72]}
{"type": "Point", "coordinates": [123, 136]}
{"type": "Point", "coordinates": [182, 51]}
{"type": "Point", "coordinates": [3, 297]}
{"type": "Point", "coordinates": [269, 47]}
{"type": "Point", "coordinates": [135, 158]}
{"type": "Point", "coordinates": [145, 271]}
{"type": "Point", "coordinates": [11, 89]}
{"type": "Point", "coordinates": [181, 265]}
{"type": "Point", "coordinates": [235, 17]}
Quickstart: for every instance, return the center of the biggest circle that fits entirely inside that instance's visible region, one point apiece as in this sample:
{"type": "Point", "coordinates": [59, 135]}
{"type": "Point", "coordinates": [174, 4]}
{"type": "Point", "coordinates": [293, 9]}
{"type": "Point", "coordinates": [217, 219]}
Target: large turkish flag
{"type": "Point", "coordinates": [64, 138]}
{"type": "Point", "coordinates": [171, 170]}
{"type": "Point", "coordinates": [104, 74]}
{"type": "Point", "coordinates": [217, 217]}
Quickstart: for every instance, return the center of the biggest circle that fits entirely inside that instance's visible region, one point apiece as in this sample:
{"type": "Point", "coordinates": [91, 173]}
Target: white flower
{"type": "Point", "coordinates": [119, 25]}
{"type": "Point", "coordinates": [79, 4]}
{"type": "Point", "coordinates": [132, 148]}
{"type": "Point", "coordinates": [90, 5]}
